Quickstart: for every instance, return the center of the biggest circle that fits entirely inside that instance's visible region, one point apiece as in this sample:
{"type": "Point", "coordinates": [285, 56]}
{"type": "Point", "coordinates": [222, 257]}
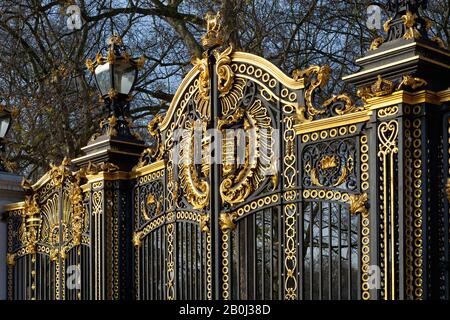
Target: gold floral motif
{"type": "Point", "coordinates": [213, 34]}
{"type": "Point", "coordinates": [226, 221]}
{"type": "Point", "coordinates": [412, 82]}
{"type": "Point", "coordinates": [204, 223]}
{"type": "Point", "coordinates": [328, 162]}
{"type": "Point", "coordinates": [376, 43]}
{"type": "Point", "coordinates": [409, 20]}
{"type": "Point", "coordinates": [152, 201]}
{"type": "Point", "coordinates": [358, 203]}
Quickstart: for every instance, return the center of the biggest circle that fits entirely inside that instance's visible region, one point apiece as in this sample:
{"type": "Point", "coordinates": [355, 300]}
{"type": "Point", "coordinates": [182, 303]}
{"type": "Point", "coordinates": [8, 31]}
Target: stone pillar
{"type": "Point", "coordinates": [10, 191]}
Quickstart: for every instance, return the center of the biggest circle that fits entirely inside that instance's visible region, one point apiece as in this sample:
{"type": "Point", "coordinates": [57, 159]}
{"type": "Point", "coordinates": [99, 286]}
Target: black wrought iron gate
{"type": "Point", "coordinates": [255, 189]}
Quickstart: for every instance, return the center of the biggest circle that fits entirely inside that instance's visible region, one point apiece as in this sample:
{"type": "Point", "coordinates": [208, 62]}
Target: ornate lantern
{"type": "Point", "coordinates": [115, 73]}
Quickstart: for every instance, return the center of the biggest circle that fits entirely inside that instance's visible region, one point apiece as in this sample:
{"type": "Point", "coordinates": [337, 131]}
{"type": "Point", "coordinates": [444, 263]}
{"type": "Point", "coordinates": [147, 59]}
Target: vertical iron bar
{"type": "Point", "coordinates": [215, 182]}
{"type": "Point", "coordinates": [349, 231]}
{"type": "Point", "coordinates": [339, 253]}
{"type": "Point", "coordinates": [320, 251]}
{"type": "Point", "coordinates": [271, 254]}
{"type": "Point", "coordinates": [263, 273]}
{"type": "Point", "coordinates": [255, 256]}
{"type": "Point", "coordinates": [311, 247]}
{"type": "Point", "coordinates": [330, 253]}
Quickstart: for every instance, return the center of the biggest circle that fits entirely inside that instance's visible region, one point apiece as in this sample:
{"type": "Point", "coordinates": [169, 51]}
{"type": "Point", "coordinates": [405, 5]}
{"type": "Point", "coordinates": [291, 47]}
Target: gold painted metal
{"type": "Point", "coordinates": [148, 169]}
{"type": "Point", "coordinates": [14, 206]}
{"type": "Point", "coordinates": [332, 122]}
{"type": "Point", "coordinates": [444, 96]}
{"type": "Point", "coordinates": [397, 97]}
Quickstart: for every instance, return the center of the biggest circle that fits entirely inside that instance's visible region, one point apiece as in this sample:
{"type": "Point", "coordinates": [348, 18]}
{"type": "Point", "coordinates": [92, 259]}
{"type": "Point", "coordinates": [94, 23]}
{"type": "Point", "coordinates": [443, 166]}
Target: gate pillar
{"type": "Point", "coordinates": [404, 79]}
{"type": "Point", "coordinates": [10, 191]}
{"type": "Point", "coordinates": [108, 162]}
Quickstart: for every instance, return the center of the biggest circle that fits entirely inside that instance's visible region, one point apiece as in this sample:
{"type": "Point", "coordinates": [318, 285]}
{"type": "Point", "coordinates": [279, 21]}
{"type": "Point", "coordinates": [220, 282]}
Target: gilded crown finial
{"type": "Point", "coordinates": [213, 34]}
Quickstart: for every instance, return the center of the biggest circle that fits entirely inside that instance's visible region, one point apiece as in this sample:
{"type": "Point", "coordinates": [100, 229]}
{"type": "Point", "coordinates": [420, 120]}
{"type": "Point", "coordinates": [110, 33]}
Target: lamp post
{"type": "Point", "coordinates": [5, 122]}
{"type": "Point", "coordinates": [115, 73]}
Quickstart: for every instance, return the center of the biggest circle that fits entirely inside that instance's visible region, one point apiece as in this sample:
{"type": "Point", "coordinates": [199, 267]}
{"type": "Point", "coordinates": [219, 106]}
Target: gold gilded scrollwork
{"type": "Point", "coordinates": [203, 87]}
{"type": "Point", "coordinates": [322, 75]}
{"type": "Point", "coordinates": [348, 105]}
{"type": "Point", "coordinates": [194, 184]}
{"type": "Point", "coordinates": [240, 180]}
{"type": "Point", "coordinates": [156, 152]}
{"type": "Point", "coordinates": [79, 212]}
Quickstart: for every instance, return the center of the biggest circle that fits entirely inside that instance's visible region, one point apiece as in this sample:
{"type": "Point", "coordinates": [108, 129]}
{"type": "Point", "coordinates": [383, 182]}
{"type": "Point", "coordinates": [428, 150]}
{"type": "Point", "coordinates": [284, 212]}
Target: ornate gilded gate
{"type": "Point", "coordinates": [256, 189]}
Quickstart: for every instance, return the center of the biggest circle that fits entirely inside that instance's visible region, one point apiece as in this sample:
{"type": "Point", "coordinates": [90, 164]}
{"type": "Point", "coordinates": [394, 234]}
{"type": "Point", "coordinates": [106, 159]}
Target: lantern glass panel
{"type": "Point", "coordinates": [4, 125]}
{"type": "Point", "coordinates": [124, 76]}
{"type": "Point", "coordinates": [103, 78]}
